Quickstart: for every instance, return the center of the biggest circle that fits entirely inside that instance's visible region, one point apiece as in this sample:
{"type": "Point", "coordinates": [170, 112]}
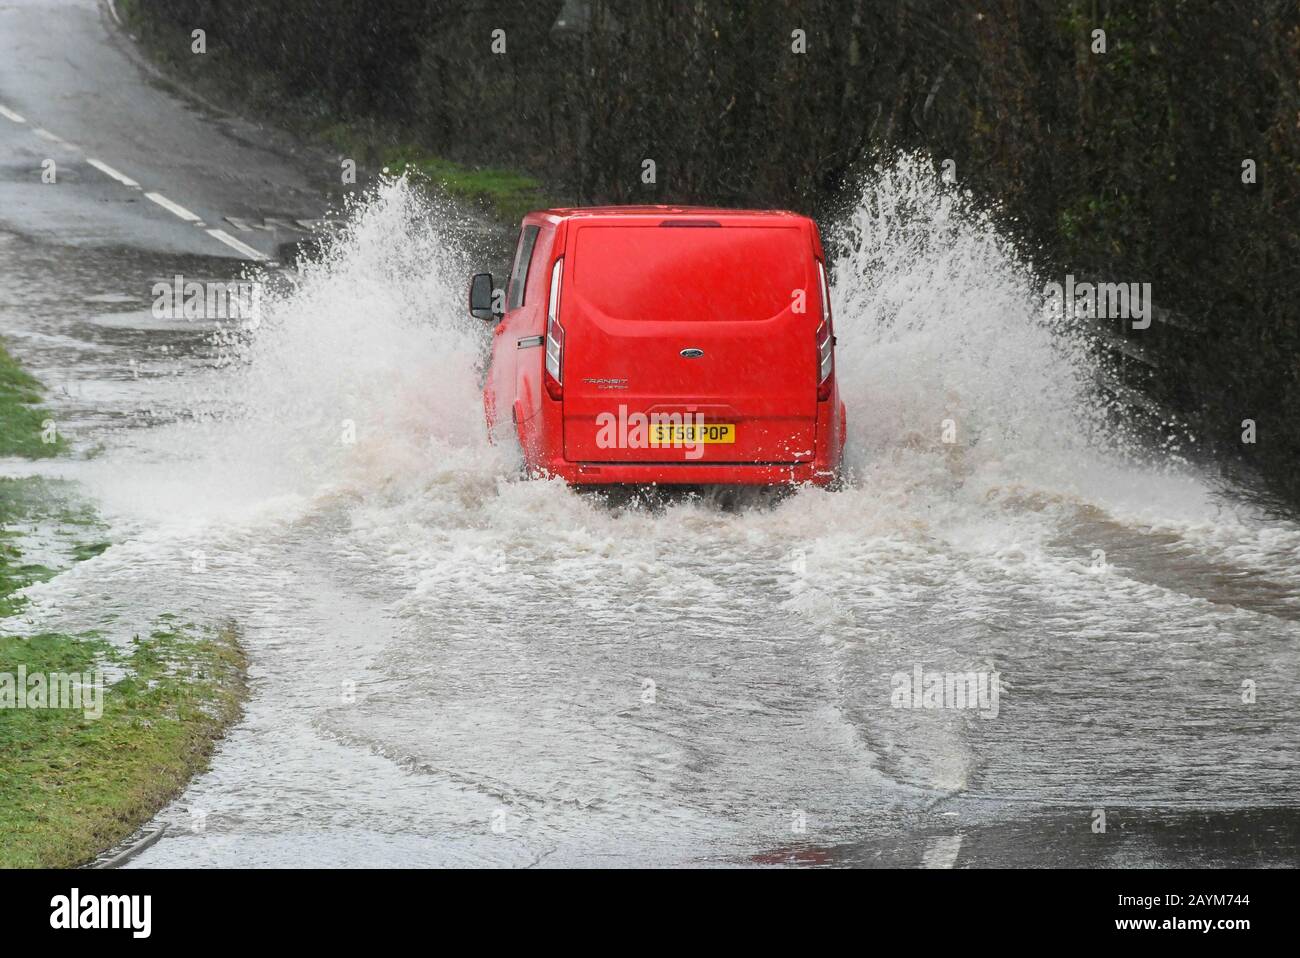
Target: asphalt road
{"type": "Point", "coordinates": [76, 82]}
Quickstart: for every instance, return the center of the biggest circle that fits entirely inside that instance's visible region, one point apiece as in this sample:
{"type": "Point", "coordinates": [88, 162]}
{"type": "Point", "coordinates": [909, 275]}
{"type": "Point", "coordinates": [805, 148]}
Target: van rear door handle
{"type": "Point", "coordinates": [528, 341]}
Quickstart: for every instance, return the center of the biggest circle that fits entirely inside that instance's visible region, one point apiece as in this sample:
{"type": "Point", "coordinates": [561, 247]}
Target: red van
{"type": "Point", "coordinates": [662, 344]}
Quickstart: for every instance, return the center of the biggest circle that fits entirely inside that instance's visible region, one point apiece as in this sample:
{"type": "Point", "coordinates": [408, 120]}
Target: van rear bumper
{"type": "Point", "coordinates": [540, 438]}
{"type": "Point", "coordinates": [677, 473]}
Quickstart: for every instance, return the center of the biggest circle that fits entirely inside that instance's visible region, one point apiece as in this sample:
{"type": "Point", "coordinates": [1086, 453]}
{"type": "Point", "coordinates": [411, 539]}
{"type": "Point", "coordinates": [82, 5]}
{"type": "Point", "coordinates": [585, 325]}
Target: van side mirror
{"type": "Point", "coordinates": [480, 297]}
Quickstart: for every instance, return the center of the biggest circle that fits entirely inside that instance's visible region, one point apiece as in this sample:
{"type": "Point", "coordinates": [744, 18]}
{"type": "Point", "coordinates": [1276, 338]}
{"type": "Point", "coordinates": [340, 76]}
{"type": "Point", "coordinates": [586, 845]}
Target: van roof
{"type": "Point", "coordinates": [663, 212]}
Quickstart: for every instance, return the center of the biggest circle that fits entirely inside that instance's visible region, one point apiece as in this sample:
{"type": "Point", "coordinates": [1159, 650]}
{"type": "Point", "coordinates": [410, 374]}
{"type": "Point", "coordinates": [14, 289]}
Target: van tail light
{"type": "Point", "coordinates": [555, 337]}
{"type": "Point", "coordinates": [825, 341]}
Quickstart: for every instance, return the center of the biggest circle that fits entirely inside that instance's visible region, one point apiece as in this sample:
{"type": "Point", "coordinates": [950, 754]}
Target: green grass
{"type": "Point", "coordinates": [73, 785]}
{"type": "Point", "coordinates": [506, 194]}
{"type": "Point", "coordinates": [22, 419]}
{"type": "Point", "coordinates": [502, 193]}
{"type": "Point", "coordinates": [36, 506]}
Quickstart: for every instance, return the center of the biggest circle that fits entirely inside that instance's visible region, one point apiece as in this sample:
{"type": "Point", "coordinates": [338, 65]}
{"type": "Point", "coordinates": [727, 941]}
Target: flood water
{"type": "Point", "coordinates": [450, 665]}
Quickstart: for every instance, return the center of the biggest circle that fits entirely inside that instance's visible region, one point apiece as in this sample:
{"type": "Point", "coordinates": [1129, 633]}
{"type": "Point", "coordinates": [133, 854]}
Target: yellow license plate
{"type": "Point", "coordinates": [667, 435]}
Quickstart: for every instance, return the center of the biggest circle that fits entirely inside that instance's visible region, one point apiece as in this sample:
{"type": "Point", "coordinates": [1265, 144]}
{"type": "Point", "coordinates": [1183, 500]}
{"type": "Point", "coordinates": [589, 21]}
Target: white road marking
{"type": "Point", "coordinates": [242, 249]}
{"type": "Point", "coordinates": [45, 134]}
{"type": "Point", "coordinates": [276, 223]}
{"type": "Point", "coordinates": [942, 852]}
{"type": "Point", "coordinates": [174, 208]}
{"type": "Point", "coordinates": [105, 168]}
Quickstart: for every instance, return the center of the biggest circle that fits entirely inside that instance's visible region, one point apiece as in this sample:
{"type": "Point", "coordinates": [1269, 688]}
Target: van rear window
{"type": "Point", "coordinates": [693, 275]}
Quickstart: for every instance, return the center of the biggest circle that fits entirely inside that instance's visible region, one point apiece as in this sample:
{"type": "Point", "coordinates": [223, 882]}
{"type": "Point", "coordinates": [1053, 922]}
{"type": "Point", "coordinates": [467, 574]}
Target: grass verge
{"type": "Point", "coordinates": [73, 783]}
{"type": "Point", "coordinates": [44, 516]}
{"type": "Point", "coordinates": [504, 194]}
{"type": "Point", "coordinates": [22, 420]}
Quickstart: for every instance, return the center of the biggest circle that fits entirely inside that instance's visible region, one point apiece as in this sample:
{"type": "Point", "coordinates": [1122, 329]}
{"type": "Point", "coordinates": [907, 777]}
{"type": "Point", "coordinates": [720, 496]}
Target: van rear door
{"type": "Point", "coordinates": [687, 320]}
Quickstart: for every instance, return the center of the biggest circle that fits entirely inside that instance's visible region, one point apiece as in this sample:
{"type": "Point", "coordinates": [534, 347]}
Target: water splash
{"type": "Point", "coordinates": [360, 371]}
{"type": "Point", "coordinates": [943, 341]}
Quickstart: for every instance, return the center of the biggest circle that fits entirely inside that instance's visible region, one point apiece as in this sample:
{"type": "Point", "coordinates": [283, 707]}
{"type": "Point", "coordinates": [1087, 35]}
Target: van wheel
{"type": "Point", "coordinates": [521, 470]}
{"type": "Point", "coordinates": [840, 481]}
